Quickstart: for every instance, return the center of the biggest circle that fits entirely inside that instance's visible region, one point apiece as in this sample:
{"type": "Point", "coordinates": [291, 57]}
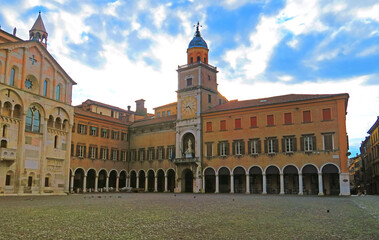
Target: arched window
{"type": "Point", "coordinates": [56, 142]}
{"type": "Point", "coordinates": [58, 92]}
{"type": "Point", "coordinates": [32, 120]}
{"type": "Point", "coordinates": [3, 144]}
{"type": "Point", "coordinates": [45, 88]}
{"type": "Point", "coordinates": [12, 77]}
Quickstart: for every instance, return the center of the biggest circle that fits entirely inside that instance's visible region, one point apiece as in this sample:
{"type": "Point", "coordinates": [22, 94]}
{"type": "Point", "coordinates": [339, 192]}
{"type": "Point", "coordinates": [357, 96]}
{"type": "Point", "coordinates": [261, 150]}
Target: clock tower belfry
{"type": "Point", "coordinates": [197, 92]}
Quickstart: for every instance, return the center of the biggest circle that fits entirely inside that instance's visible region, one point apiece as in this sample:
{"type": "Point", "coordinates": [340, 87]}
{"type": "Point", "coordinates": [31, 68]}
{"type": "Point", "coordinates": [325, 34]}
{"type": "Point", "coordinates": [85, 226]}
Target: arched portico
{"type": "Point", "coordinates": [310, 179]}
{"type": "Point", "coordinates": [150, 180]}
{"type": "Point", "coordinates": [291, 179]}
{"type": "Point", "coordinates": [79, 180]}
{"type": "Point", "coordinates": [170, 180]}
{"type": "Point", "coordinates": [224, 180]}
{"type": "Point", "coordinates": [256, 184]}
{"type": "Point", "coordinates": [91, 180]}
{"type": "Point", "coordinates": [113, 180]}
{"type": "Point", "coordinates": [141, 179]}
{"type": "Point", "coordinates": [122, 179]}
{"type": "Point", "coordinates": [273, 179]}
{"type": "Point", "coordinates": [187, 180]}
{"type": "Point", "coordinates": [133, 179]}
{"type": "Point", "coordinates": [330, 179]}
{"type": "Point", "coordinates": [239, 177]}
{"type": "Point", "coordinates": [209, 180]}
{"type": "Point", "coordinates": [160, 181]}
{"type": "Point", "coordinates": [102, 180]}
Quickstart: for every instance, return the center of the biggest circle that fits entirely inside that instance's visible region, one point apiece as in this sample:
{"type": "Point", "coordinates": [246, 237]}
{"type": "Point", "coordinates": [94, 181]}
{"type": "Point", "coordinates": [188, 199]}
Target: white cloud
{"type": "Point", "coordinates": [369, 13]}
{"type": "Point", "coordinates": [368, 51]}
{"type": "Point", "coordinates": [159, 15]}
{"type": "Point", "coordinates": [111, 8]}
{"type": "Point", "coordinates": [294, 43]}
{"type": "Point", "coordinates": [285, 78]}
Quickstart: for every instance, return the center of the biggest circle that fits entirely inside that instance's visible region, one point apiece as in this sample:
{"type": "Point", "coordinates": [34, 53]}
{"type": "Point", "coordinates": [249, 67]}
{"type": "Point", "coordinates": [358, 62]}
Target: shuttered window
{"type": "Point", "coordinates": [326, 114]}
{"type": "Point", "coordinates": [253, 122]}
{"type": "Point", "coordinates": [237, 123]}
{"type": "Point", "coordinates": [209, 126]}
{"type": "Point", "coordinates": [270, 120]}
{"type": "Point", "coordinates": [223, 125]}
{"type": "Point", "coordinates": [307, 116]}
{"type": "Point", "coordinates": [287, 118]}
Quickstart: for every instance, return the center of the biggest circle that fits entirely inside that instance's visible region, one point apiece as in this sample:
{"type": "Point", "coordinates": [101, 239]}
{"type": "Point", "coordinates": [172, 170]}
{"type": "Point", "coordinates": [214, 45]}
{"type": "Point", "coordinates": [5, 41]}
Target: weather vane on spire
{"type": "Point", "coordinates": [197, 33]}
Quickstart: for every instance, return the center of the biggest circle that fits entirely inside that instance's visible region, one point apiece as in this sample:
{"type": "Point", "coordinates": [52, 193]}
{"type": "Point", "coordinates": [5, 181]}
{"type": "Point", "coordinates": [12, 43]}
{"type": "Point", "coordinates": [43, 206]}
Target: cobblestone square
{"type": "Point", "coordinates": [188, 216]}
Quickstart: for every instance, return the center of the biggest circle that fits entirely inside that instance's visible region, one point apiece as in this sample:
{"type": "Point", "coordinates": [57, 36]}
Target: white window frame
{"type": "Point", "coordinates": [81, 128]}
{"type": "Point", "coordinates": [160, 153]}
{"type": "Point", "coordinates": [114, 154]}
{"type": "Point", "coordinates": [238, 148]}
{"type": "Point", "coordinates": [81, 151]}
{"type": "Point", "coordinates": [141, 156]}
{"type": "Point", "coordinates": [308, 143]}
{"type": "Point", "coordinates": [253, 147]}
{"type": "Point", "coordinates": [223, 149]}
{"type": "Point", "coordinates": [270, 146]}
{"type": "Point", "coordinates": [288, 144]}
{"type": "Point", "coordinates": [133, 155]}
{"type": "Point", "coordinates": [123, 156]}
{"type": "Point", "coordinates": [93, 152]}
{"type": "Point", "coordinates": [104, 153]}
{"type": "Point", "coordinates": [93, 131]}
{"type": "Point", "coordinates": [150, 154]}
{"type": "Point", "coordinates": [170, 152]}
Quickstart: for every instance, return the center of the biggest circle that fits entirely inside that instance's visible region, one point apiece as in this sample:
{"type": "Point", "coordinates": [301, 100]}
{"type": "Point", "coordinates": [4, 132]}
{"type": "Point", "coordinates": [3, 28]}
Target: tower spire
{"type": "Point", "coordinates": [38, 31]}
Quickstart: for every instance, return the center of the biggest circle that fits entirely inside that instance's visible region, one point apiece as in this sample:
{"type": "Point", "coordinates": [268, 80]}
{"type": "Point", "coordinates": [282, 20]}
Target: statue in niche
{"type": "Point", "coordinates": [189, 150]}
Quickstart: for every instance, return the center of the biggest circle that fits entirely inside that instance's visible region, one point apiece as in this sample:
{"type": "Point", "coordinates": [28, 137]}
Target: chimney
{"type": "Point", "coordinates": [128, 108]}
{"type": "Point", "coordinates": [140, 107]}
{"type": "Point", "coordinates": [14, 31]}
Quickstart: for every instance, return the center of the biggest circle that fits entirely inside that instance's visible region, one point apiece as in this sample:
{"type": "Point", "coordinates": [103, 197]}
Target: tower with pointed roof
{"type": "Point", "coordinates": [38, 31]}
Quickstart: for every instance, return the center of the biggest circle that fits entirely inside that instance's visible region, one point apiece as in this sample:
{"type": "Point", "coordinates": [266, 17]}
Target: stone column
{"type": "Point", "coordinates": [127, 182]}
{"type": "Point", "coordinates": [247, 183]}
{"type": "Point", "coordinates": [107, 184]}
{"type": "Point", "coordinates": [85, 183]}
{"type": "Point", "coordinates": [117, 183]}
{"type": "Point", "coordinates": [20, 156]}
{"type": "Point", "coordinates": [43, 155]}
{"type": "Point", "coordinates": [165, 183]}
{"type": "Point", "coordinates": [137, 182]}
{"type": "Point", "coordinates": [67, 159]}
{"type": "Point", "coordinates": [155, 183]}
{"type": "Point", "coordinates": [96, 182]}
{"type": "Point", "coordinates": [281, 183]}
{"type": "Point", "coordinates": [217, 184]}
{"type": "Point", "coordinates": [320, 185]}
{"type": "Point", "coordinates": [23, 75]}
{"type": "Point", "coordinates": [72, 183]}
{"type": "Point", "coordinates": [301, 184]}
{"type": "Point", "coordinates": [231, 183]}
{"type": "Point", "coordinates": [146, 183]}
{"type": "Point", "coordinates": [264, 184]}
{"type": "Point", "coordinates": [203, 183]}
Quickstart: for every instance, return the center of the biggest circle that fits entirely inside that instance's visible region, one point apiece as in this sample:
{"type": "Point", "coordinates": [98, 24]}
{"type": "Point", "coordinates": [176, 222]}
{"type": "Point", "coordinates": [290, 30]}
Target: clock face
{"type": "Point", "coordinates": [189, 106]}
{"type": "Point", "coordinates": [28, 84]}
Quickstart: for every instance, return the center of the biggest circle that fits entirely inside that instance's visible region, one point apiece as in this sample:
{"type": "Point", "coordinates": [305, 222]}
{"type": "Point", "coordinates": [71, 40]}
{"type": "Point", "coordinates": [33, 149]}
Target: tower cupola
{"type": "Point", "coordinates": [197, 49]}
{"type": "Point", "coordinates": [38, 31]}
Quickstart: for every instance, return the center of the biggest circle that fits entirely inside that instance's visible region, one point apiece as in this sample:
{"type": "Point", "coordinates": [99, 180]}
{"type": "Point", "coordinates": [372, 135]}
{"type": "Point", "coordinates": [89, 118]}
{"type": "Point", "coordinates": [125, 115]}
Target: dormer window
{"type": "Point", "coordinates": [189, 82]}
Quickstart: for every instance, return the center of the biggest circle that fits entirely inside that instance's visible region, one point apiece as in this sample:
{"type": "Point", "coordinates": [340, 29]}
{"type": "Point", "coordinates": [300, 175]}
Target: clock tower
{"type": "Point", "coordinates": [197, 92]}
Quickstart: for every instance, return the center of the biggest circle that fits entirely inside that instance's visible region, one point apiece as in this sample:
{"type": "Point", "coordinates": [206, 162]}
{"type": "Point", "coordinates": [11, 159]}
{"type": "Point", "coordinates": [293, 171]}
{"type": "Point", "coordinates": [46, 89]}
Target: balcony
{"type": "Point", "coordinates": [186, 160]}
{"type": "Point", "coordinates": [7, 154]}
{"type": "Point", "coordinates": [196, 64]}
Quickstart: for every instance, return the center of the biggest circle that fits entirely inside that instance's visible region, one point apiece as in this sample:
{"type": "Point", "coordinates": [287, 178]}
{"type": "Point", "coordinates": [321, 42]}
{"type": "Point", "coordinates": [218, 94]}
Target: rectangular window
{"type": "Point", "coordinates": [163, 114]}
{"type": "Point", "coordinates": [254, 146]}
{"type": "Point", "coordinates": [270, 120]}
{"type": "Point", "coordinates": [82, 129]}
{"type": "Point", "coordinates": [92, 152]}
{"type": "Point", "coordinates": [223, 148]}
{"type": "Point", "coordinates": [287, 118]}
{"type": "Point", "coordinates": [326, 114]}
{"type": "Point", "coordinates": [80, 151]}
{"type": "Point", "coordinates": [171, 152]}
{"type": "Point", "coordinates": [104, 133]}
{"type": "Point", "coordinates": [133, 155]}
{"type": "Point", "coordinates": [307, 116]}
{"type": "Point", "coordinates": [114, 135]}
{"type": "Point", "coordinates": [8, 180]}
{"type": "Point", "coordinates": [209, 98]}
{"type": "Point", "coordinates": [93, 131]}
{"type": "Point", "coordinates": [150, 153]}
{"type": "Point", "coordinates": [328, 142]}
{"type": "Point", "coordinates": [141, 154]}
{"type": "Point", "coordinates": [123, 136]}
{"type": "Point", "coordinates": [253, 122]}
{"type": "Point", "coordinates": [158, 115]}
{"type": "Point", "coordinates": [209, 126]}
{"type": "Point", "coordinates": [308, 143]}
{"type": "Point", "coordinates": [209, 149]}
{"type": "Point", "coordinates": [168, 113]}
{"type": "Point", "coordinates": [114, 154]}
{"type": "Point", "coordinates": [123, 155]}
{"type": "Point", "coordinates": [189, 82]}
{"type": "Point", "coordinates": [46, 182]}
{"type": "Point", "coordinates": [288, 144]}
{"type": "Point", "coordinates": [271, 145]}
{"type": "Point", "coordinates": [160, 153]}
{"type": "Point", "coordinates": [30, 181]}
{"type": "Point", "coordinates": [237, 123]}
{"type": "Point", "coordinates": [238, 147]}
{"type": "Point", "coordinates": [223, 125]}
{"type": "Point", "coordinates": [104, 153]}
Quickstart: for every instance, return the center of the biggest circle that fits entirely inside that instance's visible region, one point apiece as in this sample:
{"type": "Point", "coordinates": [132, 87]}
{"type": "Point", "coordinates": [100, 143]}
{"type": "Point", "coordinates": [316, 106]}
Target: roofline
{"type": "Point", "coordinates": [11, 35]}
{"type": "Point", "coordinates": [174, 103]}
{"type": "Point", "coordinates": [272, 104]}
{"type": "Point", "coordinates": [372, 128]}
{"type": "Point", "coordinates": [116, 120]}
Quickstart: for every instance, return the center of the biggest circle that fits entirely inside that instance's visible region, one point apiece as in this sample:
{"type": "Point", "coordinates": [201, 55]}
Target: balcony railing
{"type": "Point", "coordinates": [195, 64]}
{"type": "Point", "coordinates": [7, 154]}
{"type": "Point", "coordinates": [186, 160]}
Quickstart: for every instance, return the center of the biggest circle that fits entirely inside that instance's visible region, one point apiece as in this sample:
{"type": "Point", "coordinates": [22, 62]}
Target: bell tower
{"type": "Point", "coordinates": [38, 31]}
{"type": "Point", "coordinates": [197, 92]}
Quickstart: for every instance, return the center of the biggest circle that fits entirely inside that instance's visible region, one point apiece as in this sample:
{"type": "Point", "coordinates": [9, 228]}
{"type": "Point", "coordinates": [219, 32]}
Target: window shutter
{"type": "Point", "coordinates": [276, 145]}
{"type": "Point", "coordinates": [73, 127]}
{"type": "Point", "coordinates": [89, 152]}
{"type": "Point", "coordinates": [306, 116]}
{"type": "Point", "coordinates": [265, 145]}
{"type": "Point", "coordinates": [77, 150]}
{"type": "Point", "coordinates": [326, 114]}
{"type": "Point", "coordinates": [259, 146]}
{"type": "Point", "coordinates": [237, 123]}
{"type": "Point", "coordinates": [234, 147]}
{"type": "Point", "coordinates": [287, 118]}
{"type": "Point", "coordinates": [153, 154]}
{"type": "Point", "coordinates": [302, 144]}
{"type": "Point", "coordinates": [249, 147]}
{"type": "Point", "coordinates": [283, 145]}
{"type": "Point", "coordinates": [85, 129]}
{"type": "Point", "coordinates": [96, 150]}
{"type": "Point", "coordinates": [108, 133]}
{"type": "Point", "coordinates": [227, 148]}
{"type": "Point", "coordinates": [78, 128]}
{"type": "Point", "coordinates": [253, 122]}
{"type": "Point", "coordinates": [84, 151]}
{"type": "Point", "coordinates": [97, 132]}
{"type": "Point", "coordinates": [294, 144]}
{"type": "Point", "coordinates": [218, 149]}
{"type": "Point", "coordinates": [242, 147]}
{"type": "Point", "coordinates": [314, 143]}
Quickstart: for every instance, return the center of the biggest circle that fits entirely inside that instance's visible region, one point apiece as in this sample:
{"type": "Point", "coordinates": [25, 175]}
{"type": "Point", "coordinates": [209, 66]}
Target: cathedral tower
{"type": "Point", "coordinates": [38, 31]}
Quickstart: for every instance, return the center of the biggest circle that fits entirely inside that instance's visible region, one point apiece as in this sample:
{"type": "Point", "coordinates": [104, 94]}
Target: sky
{"type": "Point", "coordinates": [119, 51]}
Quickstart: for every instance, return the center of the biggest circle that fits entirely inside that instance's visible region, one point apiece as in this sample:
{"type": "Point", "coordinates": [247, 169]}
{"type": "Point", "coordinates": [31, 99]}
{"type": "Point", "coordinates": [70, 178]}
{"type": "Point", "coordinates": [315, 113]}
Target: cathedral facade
{"type": "Point", "coordinates": [290, 144]}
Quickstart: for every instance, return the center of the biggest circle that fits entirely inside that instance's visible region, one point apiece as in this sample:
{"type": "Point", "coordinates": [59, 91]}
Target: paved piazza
{"type": "Point", "coordinates": [188, 216]}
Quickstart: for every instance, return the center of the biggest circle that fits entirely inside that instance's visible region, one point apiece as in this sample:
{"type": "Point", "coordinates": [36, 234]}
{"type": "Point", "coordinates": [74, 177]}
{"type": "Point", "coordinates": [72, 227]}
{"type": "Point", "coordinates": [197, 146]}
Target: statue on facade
{"type": "Point", "coordinates": [189, 150]}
